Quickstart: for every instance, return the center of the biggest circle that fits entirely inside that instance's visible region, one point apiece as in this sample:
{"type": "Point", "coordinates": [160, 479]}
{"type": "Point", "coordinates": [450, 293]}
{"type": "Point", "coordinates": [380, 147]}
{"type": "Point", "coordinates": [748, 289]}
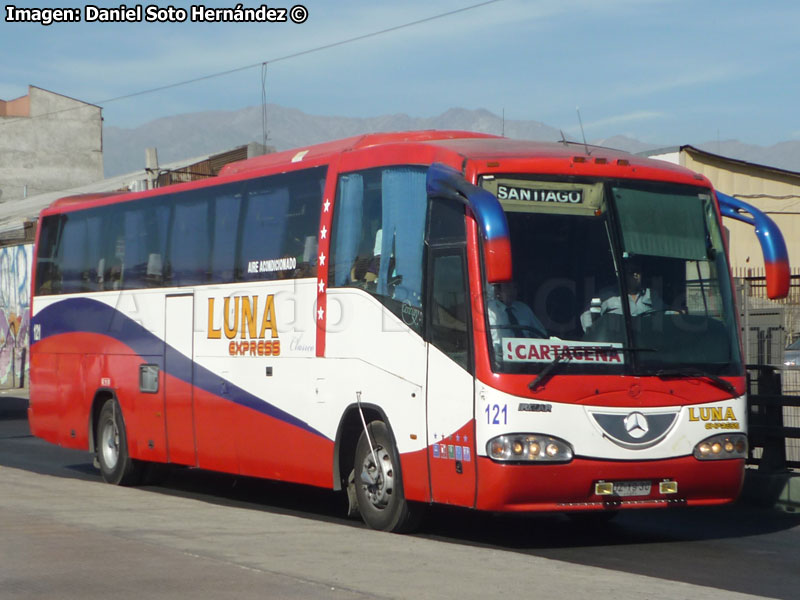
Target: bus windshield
{"type": "Point", "coordinates": [612, 277]}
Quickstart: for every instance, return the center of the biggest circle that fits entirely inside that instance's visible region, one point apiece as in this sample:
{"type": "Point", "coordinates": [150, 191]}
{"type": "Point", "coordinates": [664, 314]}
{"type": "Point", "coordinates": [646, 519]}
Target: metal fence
{"type": "Point", "coordinates": [768, 326]}
{"type": "Point", "coordinates": [752, 287]}
{"type": "Point", "coordinates": [774, 419]}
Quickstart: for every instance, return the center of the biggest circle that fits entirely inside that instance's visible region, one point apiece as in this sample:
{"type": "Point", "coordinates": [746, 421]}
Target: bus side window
{"type": "Point", "coordinates": [449, 309]}
{"type": "Point", "coordinates": [45, 261]}
{"type": "Point", "coordinates": [449, 306]}
{"type": "Point", "coordinates": [280, 225]}
{"type": "Point", "coordinates": [225, 222]}
{"type": "Point", "coordinates": [92, 268]}
{"type": "Point", "coordinates": [446, 224]}
{"type": "Point", "coordinates": [378, 237]}
{"type": "Point", "coordinates": [143, 246]}
{"type": "Point", "coordinates": [72, 253]}
{"type": "Point", "coordinates": [348, 231]}
{"type": "Point", "coordinates": [188, 251]}
{"type": "Point", "coordinates": [48, 278]}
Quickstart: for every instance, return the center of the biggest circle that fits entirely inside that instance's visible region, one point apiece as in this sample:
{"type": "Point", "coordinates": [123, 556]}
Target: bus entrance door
{"type": "Point", "coordinates": [451, 425]}
{"type": "Point", "coordinates": [178, 394]}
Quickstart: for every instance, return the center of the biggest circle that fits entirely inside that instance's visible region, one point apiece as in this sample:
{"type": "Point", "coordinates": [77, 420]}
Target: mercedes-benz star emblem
{"type": "Point", "coordinates": [636, 425]}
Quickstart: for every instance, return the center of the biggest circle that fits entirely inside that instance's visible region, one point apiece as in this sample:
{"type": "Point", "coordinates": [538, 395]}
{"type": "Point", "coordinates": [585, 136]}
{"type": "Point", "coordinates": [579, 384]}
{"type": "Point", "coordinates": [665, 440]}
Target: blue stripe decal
{"type": "Point", "coordinates": [82, 315]}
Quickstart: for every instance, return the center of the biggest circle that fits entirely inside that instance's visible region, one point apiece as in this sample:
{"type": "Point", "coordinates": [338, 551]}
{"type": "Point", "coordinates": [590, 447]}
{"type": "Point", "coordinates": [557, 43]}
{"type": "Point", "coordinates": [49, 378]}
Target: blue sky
{"type": "Point", "coordinates": [661, 71]}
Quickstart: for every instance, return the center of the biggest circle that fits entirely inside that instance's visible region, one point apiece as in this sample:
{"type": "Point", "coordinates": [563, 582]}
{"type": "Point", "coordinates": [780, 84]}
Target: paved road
{"type": "Point", "coordinates": [63, 534]}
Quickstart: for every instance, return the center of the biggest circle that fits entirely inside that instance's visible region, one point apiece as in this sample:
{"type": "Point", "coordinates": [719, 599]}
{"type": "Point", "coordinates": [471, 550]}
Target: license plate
{"type": "Point", "coordinates": [632, 488]}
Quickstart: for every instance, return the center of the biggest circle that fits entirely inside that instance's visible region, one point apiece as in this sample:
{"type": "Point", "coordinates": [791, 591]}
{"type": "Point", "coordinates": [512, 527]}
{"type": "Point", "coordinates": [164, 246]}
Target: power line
{"type": "Point", "coordinates": [278, 59]}
{"type": "Point", "coordinates": [303, 52]}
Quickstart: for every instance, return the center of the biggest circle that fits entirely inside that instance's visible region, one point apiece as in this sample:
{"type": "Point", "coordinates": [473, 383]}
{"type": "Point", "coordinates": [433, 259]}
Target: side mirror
{"type": "Point", "coordinates": [773, 246]}
{"type": "Point", "coordinates": [446, 182]}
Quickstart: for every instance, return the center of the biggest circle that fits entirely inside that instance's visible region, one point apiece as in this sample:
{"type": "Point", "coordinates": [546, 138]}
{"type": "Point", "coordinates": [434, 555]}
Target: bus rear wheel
{"type": "Point", "coordinates": [116, 465]}
{"type": "Point", "coordinates": [379, 484]}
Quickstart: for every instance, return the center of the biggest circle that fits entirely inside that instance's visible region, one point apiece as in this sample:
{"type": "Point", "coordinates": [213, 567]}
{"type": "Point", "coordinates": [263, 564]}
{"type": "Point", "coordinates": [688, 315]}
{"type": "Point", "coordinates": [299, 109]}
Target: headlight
{"type": "Point", "coordinates": [529, 447]}
{"type": "Point", "coordinates": [723, 446]}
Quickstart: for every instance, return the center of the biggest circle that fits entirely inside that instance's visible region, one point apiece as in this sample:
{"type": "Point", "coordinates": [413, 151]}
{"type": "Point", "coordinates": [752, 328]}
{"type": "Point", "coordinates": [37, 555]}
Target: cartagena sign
{"type": "Point", "coordinates": [546, 351]}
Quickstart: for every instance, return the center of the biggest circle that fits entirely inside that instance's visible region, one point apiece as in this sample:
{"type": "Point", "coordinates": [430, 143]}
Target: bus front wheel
{"type": "Point", "coordinates": [379, 484]}
{"type": "Point", "coordinates": [116, 465]}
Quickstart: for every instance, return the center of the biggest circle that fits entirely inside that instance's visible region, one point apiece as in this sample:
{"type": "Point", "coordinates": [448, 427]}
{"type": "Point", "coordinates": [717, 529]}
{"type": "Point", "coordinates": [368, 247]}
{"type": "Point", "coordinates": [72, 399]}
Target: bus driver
{"type": "Point", "coordinates": [641, 299]}
{"type": "Point", "coordinates": [511, 318]}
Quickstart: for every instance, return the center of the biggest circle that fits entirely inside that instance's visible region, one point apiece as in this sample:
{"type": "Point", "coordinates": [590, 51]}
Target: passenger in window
{"type": "Point", "coordinates": [50, 276]}
{"type": "Point", "coordinates": [511, 318]}
{"type": "Point", "coordinates": [155, 270]}
{"type": "Point", "coordinates": [365, 269]}
{"type": "Point", "coordinates": [306, 261]}
{"type": "Point", "coordinates": [358, 272]}
{"type": "Point", "coordinates": [115, 277]}
{"type": "Point", "coordinates": [641, 299]}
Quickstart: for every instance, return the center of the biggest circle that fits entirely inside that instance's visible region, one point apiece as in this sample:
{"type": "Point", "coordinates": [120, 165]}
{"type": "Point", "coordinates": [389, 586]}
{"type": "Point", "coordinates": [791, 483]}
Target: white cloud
{"type": "Point", "coordinates": [663, 79]}
{"type": "Point", "coordinates": [617, 120]}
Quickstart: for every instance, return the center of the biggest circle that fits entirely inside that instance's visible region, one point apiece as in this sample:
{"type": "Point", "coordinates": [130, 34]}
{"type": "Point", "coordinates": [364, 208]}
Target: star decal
{"type": "Point", "coordinates": [321, 286]}
{"type": "Point", "coordinates": [327, 205]}
{"type": "Point", "coordinates": [324, 233]}
{"type": "Point", "coordinates": [320, 313]}
{"type": "Point", "coordinates": [321, 259]}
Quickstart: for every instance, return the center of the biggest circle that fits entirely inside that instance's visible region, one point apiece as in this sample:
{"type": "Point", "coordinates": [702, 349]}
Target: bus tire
{"type": "Point", "coordinates": [379, 490]}
{"type": "Point", "coordinates": [116, 465]}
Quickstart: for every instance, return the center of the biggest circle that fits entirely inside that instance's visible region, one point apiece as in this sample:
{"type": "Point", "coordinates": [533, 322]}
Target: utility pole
{"type": "Point", "coordinates": [151, 167]}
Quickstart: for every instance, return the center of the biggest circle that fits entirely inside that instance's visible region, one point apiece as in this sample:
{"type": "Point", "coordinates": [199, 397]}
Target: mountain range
{"type": "Point", "coordinates": [195, 134]}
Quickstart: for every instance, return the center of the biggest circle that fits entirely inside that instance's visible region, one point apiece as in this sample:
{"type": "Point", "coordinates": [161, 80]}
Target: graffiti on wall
{"type": "Point", "coordinates": [15, 285]}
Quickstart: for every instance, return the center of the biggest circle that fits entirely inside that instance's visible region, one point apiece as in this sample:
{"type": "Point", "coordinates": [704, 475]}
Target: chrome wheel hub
{"type": "Point", "coordinates": [378, 479]}
{"type": "Point", "coordinates": [109, 444]}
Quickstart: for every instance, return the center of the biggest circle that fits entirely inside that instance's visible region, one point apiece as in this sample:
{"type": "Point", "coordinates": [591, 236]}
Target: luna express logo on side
{"type": "Point", "coordinates": [250, 326]}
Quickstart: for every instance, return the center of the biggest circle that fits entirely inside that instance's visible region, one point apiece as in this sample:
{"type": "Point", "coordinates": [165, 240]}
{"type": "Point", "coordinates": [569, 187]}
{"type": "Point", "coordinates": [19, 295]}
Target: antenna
{"type": "Point", "coordinates": [504, 122]}
{"type": "Point", "coordinates": [580, 122]}
{"type": "Point", "coordinates": [563, 139]}
{"type": "Point", "coordinates": [264, 132]}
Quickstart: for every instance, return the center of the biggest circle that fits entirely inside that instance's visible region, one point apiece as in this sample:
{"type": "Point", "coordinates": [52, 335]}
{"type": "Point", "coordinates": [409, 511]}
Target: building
{"type": "Point", "coordinates": [49, 142]}
{"type": "Point", "coordinates": [773, 191]}
{"type": "Point", "coordinates": [767, 326]}
{"type": "Point", "coordinates": [17, 231]}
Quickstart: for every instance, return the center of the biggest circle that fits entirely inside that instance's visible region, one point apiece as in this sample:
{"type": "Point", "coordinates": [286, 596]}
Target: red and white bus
{"type": "Point", "coordinates": [334, 316]}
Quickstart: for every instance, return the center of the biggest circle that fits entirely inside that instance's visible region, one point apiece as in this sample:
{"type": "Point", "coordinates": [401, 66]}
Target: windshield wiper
{"type": "Point", "coordinates": [545, 373]}
{"type": "Point", "coordinates": [694, 372]}
{"type": "Point", "coordinates": [548, 371]}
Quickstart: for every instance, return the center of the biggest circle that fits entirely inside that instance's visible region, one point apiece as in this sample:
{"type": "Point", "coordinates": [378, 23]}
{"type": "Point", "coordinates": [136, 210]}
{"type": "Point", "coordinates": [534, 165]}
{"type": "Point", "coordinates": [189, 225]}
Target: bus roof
{"type": "Point", "coordinates": [473, 146]}
{"type": "Point", "coordinates": [452, 146]}
{"type": "Point", "coordinates": [347, 144]}
{"type": "Point", "coordinates": [80, 198]}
